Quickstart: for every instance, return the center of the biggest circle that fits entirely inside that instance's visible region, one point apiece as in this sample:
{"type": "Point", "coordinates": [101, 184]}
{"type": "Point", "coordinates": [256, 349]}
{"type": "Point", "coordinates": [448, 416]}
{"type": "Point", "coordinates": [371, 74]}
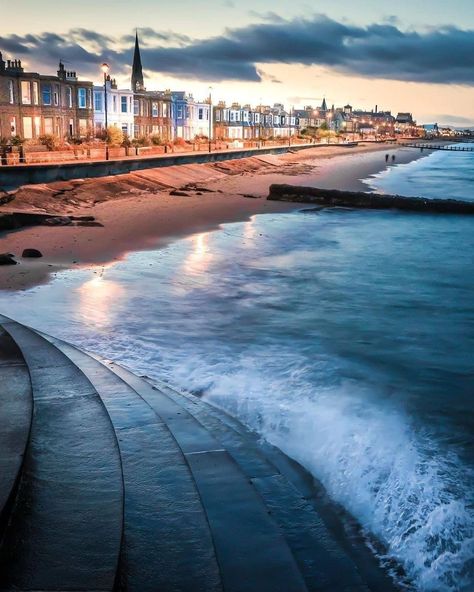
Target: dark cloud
{"type": "Point", "coordinates": [149, 37]}
{"type": "Point", "coordinates": [444, 55]}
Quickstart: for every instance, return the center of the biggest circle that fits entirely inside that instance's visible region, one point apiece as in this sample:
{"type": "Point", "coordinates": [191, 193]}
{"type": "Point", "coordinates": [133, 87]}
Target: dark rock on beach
{"type": "Point", "coordinates": [33, 253]}
{"type": "Point", "coordinates": [7, 259]}
{"type": "Point", "coordinates": [179, 193]}
{"type": "Point", "coordinates": [57, 221]}
{"type": "Point", "coordinates": [82, 218]}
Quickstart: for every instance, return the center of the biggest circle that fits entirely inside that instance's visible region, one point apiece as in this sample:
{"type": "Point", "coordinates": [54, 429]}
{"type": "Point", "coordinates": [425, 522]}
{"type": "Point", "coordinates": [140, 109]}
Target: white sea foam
{"type": "Point", "coordinates": [371, 458]}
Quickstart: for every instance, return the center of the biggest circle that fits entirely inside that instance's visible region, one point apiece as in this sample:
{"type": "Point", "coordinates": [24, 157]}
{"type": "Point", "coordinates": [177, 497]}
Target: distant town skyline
{"type": "Point", "coordinates": [398, 56]}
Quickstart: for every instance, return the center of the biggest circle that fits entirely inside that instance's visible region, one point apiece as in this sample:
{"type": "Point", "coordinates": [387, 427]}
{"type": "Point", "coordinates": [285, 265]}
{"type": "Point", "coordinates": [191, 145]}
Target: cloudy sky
{"type": "Point", "coordinates": [408, 55]}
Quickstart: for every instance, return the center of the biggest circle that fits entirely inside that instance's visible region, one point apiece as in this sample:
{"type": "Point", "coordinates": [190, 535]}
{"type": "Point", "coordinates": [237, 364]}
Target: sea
{"type": "Point", "coordinates": [344, 337]}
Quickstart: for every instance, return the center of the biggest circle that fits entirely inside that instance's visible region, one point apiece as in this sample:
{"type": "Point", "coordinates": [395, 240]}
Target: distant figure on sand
{"type": "Point", "coordinates": [386, 158]}
{"type": "Point", "coordinates": [393, 157]}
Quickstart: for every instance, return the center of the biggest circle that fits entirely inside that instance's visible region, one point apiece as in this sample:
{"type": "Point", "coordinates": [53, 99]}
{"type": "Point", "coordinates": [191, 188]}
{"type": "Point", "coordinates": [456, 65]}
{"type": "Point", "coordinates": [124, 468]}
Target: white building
{"type": "Point", "coordinates": [191, 117]}
{"type": "Point", "coordinates": [119, 108]}
{"type": "Point", "coordinates": [198, 114]}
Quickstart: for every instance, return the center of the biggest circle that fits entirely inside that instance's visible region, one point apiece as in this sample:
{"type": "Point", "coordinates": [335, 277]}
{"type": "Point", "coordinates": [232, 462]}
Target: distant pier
{"type": "Point", "coordinates": [450, 148]}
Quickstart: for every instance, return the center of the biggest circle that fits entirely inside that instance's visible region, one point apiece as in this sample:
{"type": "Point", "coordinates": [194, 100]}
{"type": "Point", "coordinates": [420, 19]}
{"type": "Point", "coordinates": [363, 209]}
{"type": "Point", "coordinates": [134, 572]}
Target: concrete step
{"type": "Point", "coordinates": [65, 528]}
{"type": "Point", "coordinates": [324, 565]}
{"type": "Point", "coordinates": [167, 542]}
{"type": "Point", "coordinates": [133, 486]}
{"type": "Point", "coordinates": [16, 412]}
{"type": "Point", "coordinates": [251, 549]}
{"type": "Point", "coordinates": [327, 544]}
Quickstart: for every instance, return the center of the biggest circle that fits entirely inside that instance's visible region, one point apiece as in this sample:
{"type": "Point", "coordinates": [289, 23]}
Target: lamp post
{"type": "Point", "coordinates": [260, 125]}
{"type": "Point", "coordinates": [210, 118]}
{"type": "Point", "coordinates": [105, 69]}
{"type": "Point", "coordinates": [289, 127]}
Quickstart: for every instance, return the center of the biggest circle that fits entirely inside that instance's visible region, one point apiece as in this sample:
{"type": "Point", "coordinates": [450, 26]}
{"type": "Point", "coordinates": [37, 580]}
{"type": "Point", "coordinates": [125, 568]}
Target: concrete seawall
{"type": "Point", "coordinates": [12, 177]}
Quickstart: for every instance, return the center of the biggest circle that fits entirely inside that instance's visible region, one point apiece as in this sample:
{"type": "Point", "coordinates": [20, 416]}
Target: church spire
{"type": "Point", "coordinates": [137, 72]}
{"type": "Point", "coordinates": [324, 106]}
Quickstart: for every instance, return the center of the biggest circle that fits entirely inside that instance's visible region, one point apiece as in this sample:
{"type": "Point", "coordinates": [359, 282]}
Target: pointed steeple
{"type": "Point", "coordinates": [137, 71]}
{"type": "Point", "coordinates": [324, 106]}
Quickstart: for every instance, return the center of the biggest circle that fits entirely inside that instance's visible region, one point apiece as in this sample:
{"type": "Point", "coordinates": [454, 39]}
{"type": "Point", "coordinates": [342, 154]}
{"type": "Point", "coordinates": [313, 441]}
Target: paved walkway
{"type": "Point", "coordinates": [124, 484]}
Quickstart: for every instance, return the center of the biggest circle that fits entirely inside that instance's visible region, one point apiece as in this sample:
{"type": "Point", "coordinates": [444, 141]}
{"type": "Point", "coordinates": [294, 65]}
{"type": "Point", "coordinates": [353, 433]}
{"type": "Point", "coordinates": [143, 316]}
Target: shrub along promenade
{"type": "Point", "coordinates": [36, 154]}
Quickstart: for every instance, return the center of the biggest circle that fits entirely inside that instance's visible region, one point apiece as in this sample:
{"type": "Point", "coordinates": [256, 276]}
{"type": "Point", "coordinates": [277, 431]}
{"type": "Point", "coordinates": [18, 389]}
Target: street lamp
{"type": "Point", "coordinates": [260, 125]}
{"type": "Point", "coordinates": [289, 129]}
{"type": "Point", "coordinates": [105, 69]}
{"type": "Point", "coordinates": [210, 117]}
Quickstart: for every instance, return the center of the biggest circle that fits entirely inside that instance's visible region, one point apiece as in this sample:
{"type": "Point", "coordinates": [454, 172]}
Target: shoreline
{"type": "Point", "coordinates": [138, 211]}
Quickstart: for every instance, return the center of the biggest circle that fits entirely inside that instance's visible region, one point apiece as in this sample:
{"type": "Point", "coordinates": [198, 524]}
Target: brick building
{"type": "Point", "coordinates": [32, 104]}
{"type": "Point", "coordinates": [153, 114]}
{"type": "Point", "coordinates": [152, 110]}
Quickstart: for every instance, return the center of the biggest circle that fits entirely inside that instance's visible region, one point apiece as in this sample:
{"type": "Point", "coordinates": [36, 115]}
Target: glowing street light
{"type": "Point", "coordinates": [210, 118]}
{"type": "Point", "coordinates": [105, 69]}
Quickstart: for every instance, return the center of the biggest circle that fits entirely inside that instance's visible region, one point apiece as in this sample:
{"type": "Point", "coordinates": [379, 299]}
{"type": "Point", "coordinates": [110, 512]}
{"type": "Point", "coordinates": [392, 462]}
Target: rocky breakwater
{"type": "Point", "coordinates": [16, 220]}
{"type": "Point", "coordinates": [360, 200]}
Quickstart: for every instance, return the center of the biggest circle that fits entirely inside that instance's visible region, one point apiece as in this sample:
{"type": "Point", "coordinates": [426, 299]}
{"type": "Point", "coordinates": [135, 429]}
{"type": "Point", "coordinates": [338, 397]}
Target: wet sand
{"type": "Point", "coordinates": [139, 212]}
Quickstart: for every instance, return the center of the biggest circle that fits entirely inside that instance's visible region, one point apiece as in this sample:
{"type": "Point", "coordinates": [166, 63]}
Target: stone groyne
{"type": "Point", "coordinates": [361, 200]}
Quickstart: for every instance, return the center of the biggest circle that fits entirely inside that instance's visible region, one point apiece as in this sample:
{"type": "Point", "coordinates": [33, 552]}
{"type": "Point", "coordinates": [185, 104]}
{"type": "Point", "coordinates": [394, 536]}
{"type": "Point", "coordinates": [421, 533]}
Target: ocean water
{"type": "Point", "coordinates": [346, 338]}
{"type": "Point", "coordinates": [447, 175]}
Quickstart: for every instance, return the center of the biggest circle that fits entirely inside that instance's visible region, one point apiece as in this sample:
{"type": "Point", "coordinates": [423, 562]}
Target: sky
{"type": "Point", "coordinates": [408, 55]}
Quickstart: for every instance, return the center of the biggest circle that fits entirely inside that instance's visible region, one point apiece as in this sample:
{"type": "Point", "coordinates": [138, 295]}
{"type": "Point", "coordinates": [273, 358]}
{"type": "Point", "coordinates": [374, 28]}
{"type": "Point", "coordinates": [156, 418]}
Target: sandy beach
{"type": "Point", "coordinates": [138, 211]}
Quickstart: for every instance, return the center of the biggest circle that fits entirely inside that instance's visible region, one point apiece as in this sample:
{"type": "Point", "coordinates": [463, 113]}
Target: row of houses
{"type": "Point", "coordinates": [33, 105]}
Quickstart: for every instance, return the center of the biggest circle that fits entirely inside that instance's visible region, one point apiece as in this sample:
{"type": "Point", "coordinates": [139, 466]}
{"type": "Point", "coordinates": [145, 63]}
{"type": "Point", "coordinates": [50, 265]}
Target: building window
{"type": "Point", "coordinates": [48, 126]}
{"type": "Point", "coordinates": [71, 128]}
{"type": "Point", "coordinates": [83, 124]}
{"type": "Point", "coordinates": [11, 92]}
{"type": "Point", "coordinates": [27, 128]}
{"type": "Point", "coordinates": [37, 122]}
{"type": "Point", "coordinates": [114, 103]}
{"type": "Point", "coordinates": [136, 107]}
{"type": "Point", "coordinates": [201, 114]}
{"type": "Point", "coordinates": [46, 91]}
{"type": "Point", "coordinates": [56, 94]}
{"type": "Point", "coordinates": [82, 98]}
{"type": "Point", "coordinates": [97, 101]}
{"type": "Point", "coordinates": [154, 109]}
{"type": "Point", "coordinates": [180, 112]}
{"type": "Point", "coordinates": [13, 126]}
{"type": "Point", "coordinates": [165, 110]}
{"type": "Point", "coordinates": [123, 104]}
{"type": "Point", "coordinates": [89, 98]}
{"type": "Point", "coordinates": [35, 93]}
{"type": "Point", "coordinates": [25, 92]}
{"type": "Point", "coordinates": [69, 97]}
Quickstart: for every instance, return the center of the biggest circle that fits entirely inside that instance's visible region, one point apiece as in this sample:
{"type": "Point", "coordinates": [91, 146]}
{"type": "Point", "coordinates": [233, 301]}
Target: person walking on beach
{"type": "Point", "coordinates": [393, 157]}
{"type": "Point", "coordinates": [386, 158]}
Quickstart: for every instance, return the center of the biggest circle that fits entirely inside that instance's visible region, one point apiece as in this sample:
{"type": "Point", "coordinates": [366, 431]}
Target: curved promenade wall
{"type": "Point", "coordinates": [12, 177]}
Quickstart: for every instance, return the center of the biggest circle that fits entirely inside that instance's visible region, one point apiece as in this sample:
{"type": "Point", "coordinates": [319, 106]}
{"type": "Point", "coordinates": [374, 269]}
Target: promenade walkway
{"type": "Point", "coordinates": [109, 482]}
{"type": "Point", "coordinates": [13, 176]}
